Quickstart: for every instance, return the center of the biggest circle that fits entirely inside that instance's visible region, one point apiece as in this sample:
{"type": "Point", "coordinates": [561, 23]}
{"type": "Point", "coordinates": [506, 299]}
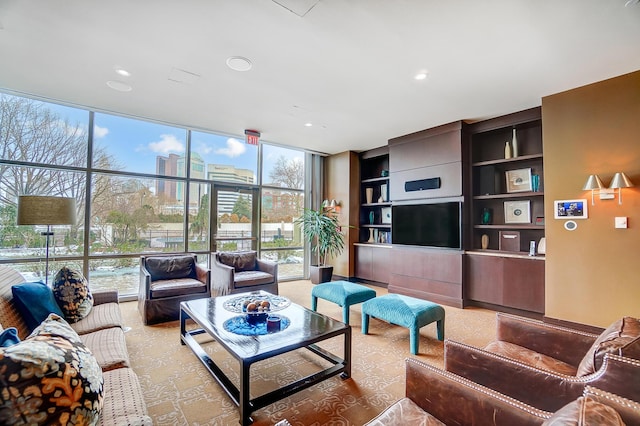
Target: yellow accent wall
{"type": "Point", "coordinates": [593, 273]}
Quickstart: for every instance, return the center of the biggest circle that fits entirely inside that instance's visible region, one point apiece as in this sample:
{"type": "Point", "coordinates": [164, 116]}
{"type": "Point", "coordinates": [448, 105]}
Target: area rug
{"type": "Point", "coordinates": [179, 390]}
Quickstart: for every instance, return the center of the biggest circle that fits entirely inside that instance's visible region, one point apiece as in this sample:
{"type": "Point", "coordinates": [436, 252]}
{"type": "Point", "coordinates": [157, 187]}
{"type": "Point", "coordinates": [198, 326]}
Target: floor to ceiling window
{"type": "Point", "coordinates": [142, 187]}
{"type": "Point", "coordinates": [283, 177]}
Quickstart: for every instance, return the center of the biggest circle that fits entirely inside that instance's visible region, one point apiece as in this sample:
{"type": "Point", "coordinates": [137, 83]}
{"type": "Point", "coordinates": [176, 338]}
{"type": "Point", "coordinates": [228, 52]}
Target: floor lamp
{"type": "Point", "coordinates": [41, 210]}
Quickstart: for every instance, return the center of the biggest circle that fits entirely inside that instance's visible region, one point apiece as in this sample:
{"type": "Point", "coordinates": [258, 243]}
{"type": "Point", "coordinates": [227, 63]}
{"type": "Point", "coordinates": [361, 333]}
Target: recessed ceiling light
{"type": "Point", "coordinates": [422, 75]}
{"type": "Point", "coordinates": [239, 63]}
{"type": "Point", "coordinates": [121, 71]}
{"type": "Point", "coordinates": [308, 124]}
{"type": "Point", "coordinates": [119, 86]}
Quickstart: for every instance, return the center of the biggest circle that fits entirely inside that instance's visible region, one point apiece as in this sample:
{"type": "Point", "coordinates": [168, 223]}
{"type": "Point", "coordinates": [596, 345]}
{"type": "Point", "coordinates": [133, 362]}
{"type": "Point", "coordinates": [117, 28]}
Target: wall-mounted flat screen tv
{"type": "Point", "coordinates": [435, 225]}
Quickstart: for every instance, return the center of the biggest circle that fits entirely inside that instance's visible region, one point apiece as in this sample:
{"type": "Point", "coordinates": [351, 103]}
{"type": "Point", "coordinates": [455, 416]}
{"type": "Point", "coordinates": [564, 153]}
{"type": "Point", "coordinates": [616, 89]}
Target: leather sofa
{"type": "Point", "coordinates": [547, 366]}
{"type": "Point", "coordinates": [238, 272]}
{"type": "Point", "coordinates": [438, 397]}
{"type": "Point", "coordinates": [167, 280]}
{"type": "Point", "coordinates": [101, 331]}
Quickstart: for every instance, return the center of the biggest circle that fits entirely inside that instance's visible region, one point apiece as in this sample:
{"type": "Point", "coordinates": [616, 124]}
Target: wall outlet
{"type": "Point", "coordinates": [621, 222]}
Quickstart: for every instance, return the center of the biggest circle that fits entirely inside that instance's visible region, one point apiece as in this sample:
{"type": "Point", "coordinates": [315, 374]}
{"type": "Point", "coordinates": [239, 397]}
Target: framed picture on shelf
{"type": "Point", "coordinates": [385, 213]}
{"type": "Point", "coordinates": [517, 212]}
{"type": "Point", "coordinates": [518, 180]}
{"type": "Point", "coordinates": [570, 209]}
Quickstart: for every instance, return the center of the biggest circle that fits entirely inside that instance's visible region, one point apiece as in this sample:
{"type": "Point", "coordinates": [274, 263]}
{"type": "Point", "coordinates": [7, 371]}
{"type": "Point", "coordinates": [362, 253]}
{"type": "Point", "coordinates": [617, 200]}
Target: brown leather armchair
{"type": "Point", "coordinates": [548, 366]}
{"type": "Point", "coordinates": [237, 272]}
{"type": "Point", "coordinates": [438, 397]}
{"type": "Point", "coordinates": [167, 280]}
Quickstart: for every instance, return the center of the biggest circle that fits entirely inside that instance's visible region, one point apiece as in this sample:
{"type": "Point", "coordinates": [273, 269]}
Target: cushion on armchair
{"type": "Point", "coordinates": [405, 412]}
{"type": "Point", "coordinates": [171, 267]}
{"type": "Point", "coordinates": [241, 261]}
{"type": "Point", "coordinates": [585, 411]}
{"type": "Point", "coordinates": [530, 357]}
{"type": "Point", "coordinates": [620, 338]}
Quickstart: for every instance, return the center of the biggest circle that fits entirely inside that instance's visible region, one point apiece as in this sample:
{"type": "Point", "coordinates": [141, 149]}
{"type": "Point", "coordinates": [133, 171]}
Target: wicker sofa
{"type": "Point", "coordinates": [102, 333]}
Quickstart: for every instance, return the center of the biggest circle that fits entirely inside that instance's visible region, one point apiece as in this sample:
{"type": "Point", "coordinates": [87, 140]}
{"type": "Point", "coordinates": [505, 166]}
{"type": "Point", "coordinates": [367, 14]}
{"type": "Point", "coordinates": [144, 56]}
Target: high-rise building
{"type": "Point", "coordinates": [196, 191]}
{"type": "Point", "coordinates": [167, 166]}
{"type": "Point", "coordinates": [223, 172]}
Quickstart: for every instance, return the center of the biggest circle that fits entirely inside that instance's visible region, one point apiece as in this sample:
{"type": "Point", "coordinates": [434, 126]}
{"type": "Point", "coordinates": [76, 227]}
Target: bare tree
{"type": "Point", "coordinates": [288, 173]}
{"type": "Point", "coordinates": [36, 138]}
{"type": "Point", "coordinates": [32, 133]}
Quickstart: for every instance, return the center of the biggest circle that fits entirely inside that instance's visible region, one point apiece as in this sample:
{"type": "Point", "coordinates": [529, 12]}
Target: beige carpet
{"type": "Point", "coordinates": [179, 391]}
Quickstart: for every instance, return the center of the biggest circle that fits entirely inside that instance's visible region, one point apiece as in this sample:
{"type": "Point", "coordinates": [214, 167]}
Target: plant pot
{"type": "Point", "coordinates": [320, 274]}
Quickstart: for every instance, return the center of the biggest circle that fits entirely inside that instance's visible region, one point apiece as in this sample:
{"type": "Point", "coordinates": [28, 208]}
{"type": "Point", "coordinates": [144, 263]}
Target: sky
{"type": "Point", "coordinates": [135, 144]}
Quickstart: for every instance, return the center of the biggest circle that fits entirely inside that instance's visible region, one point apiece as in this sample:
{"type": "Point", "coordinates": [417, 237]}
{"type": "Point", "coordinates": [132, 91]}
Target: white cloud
{"type": "Point", "coordinates": [100, 132]}
{"type": "Point", "coordinates": [167, 144]}
{"type": "Point", "coordinates": [234, 148]}
{"type": "Point", "coordinates": [203, 148]}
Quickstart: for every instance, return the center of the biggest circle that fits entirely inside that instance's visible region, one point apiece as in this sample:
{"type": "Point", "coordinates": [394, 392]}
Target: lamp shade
{"type": "Point", "coordinates": [593, 182]}
{"type": "Point", "coordinates": [42, 210]}
{"type": "Point", "coordinates": [620, 180]}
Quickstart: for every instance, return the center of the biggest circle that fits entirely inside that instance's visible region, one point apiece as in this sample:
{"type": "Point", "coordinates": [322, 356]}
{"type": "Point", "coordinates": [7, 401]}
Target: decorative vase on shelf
{"type": "Point", "coordinates": [535, 183]}
{"type": "Point", "coordinates": [383, 192]}
{"type": "Point", "coordinates": [371, 216]}
{"type": "Point", "coordinates": [484, 241]}
{"type": "Point", "coordinates": [371, 239]}
{"type": "Point", "coordinates": [514, 144]}
{"type": "Point", "coordinates": [369, 194]}
{"type": "Point", "coordinates": [485, 219]}
{"type": "Point", "coordinates": [507, 150]}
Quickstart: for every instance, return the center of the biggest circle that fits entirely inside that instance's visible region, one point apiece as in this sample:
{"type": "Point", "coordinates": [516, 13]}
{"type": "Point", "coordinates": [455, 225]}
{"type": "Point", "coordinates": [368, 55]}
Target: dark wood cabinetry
{"type": "Point", "coordinates": [468, 160]}
{"type": "Point", "coordinates": [373, 262]}
{"type": "Point", "coordinates": [423, 156]}
{"type": "Point", "coordinates": [515, 283]}
{"type": "Point", "coordinates": [505, 208]}
{"type": "Point", "coordinates": [375, 213]}
{"type": "Point", "coordinates": [504, 189]}
{"type": "Point", "coordinates": [430, 274]}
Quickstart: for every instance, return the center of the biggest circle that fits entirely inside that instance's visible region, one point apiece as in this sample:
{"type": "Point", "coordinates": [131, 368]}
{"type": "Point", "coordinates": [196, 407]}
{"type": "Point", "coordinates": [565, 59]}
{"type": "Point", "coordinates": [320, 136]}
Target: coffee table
{"type": "Point", "coordinates": [305, 329]}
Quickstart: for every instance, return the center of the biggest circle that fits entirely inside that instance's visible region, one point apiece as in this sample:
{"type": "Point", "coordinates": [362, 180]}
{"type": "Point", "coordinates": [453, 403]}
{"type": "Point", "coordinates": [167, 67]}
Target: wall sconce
{"type": "Point", "coordinates": [594, 184]}
{"type": "Point", "coordinates": [619, 181]}
{"type": "Point", "coordinates": [332, 205]}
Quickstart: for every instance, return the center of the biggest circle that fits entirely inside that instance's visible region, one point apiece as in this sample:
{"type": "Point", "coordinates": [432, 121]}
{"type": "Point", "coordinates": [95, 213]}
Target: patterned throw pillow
{"type": "Point", "coordinates": [50, 378]}
{"type": "Point", "coordinates": [72, 294]}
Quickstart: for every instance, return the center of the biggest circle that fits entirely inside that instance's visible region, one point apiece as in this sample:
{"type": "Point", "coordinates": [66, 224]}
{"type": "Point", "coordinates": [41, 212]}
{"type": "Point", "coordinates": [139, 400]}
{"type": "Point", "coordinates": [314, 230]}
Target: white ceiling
{"type": "Point", "coordinates": [346, 66]}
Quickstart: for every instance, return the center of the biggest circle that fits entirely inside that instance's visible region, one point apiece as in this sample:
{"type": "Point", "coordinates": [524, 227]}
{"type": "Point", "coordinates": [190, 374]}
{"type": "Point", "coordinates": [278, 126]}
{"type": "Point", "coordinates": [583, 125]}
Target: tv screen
{"type": "Point", "coordinates": [436, 225]}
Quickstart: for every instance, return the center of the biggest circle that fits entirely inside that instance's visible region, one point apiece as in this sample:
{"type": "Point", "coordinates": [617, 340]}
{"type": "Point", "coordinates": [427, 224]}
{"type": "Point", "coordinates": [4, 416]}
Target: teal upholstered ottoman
{"type": "Point", "coordinates": [342, 293]}
{"type": "Point", "coordinates": [404, 311]}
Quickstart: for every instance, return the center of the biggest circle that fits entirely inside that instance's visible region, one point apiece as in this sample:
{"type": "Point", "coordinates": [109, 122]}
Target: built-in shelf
{"type": "Point", "coordinates": [509, 195]}
{"type": "Point", "coordinates": [494, 276]}
{"type": "Point", "coordinates": [498, 253]}
{"type": "Point", "coordinates": [508, 160]}
{"type": "Point", "coordinates": [376, 179]}
{"type": "Point", "coordinates": [510, 226]}
{"type": "Point", "coordinates": [373, 165]}
{"type": "Point", "coordinates": [376, 204]}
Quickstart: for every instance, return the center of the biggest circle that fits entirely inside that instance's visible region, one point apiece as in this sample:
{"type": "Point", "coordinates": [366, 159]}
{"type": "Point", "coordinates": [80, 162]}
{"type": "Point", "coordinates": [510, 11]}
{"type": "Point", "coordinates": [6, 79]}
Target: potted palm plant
{"type": "Point", "coordinates": [322, 230]}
